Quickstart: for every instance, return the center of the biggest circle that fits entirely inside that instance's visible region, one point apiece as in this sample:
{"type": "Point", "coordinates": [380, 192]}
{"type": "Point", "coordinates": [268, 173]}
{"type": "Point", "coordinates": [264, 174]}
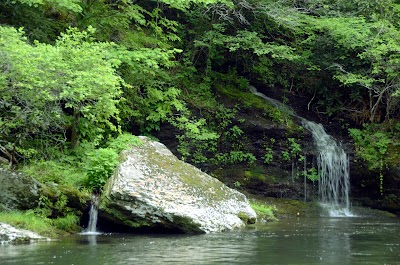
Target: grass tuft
{"type": "Point", "coordinates": [30, 221]}
{"type": "Point", "coordinates": [264, 212]}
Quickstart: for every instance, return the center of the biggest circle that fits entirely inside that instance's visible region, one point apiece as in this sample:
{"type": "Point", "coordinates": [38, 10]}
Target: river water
{"type": "Point", "coordinates": [341, 241]}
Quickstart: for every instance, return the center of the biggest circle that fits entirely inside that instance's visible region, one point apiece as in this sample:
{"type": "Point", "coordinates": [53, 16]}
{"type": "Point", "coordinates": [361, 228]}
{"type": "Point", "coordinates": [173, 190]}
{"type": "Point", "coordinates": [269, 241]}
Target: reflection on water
{"type": "Point", "coordinates": [300, 241]}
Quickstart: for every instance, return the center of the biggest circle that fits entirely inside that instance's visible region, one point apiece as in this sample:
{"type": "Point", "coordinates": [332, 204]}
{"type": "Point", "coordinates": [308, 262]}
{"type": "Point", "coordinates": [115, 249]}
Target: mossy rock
{"type": "Point", "coordinates": [17, 191]}
{"type": "Point", "coordinates": [152, 187]}
{"type": "Point", "coordinates": [288, 208]}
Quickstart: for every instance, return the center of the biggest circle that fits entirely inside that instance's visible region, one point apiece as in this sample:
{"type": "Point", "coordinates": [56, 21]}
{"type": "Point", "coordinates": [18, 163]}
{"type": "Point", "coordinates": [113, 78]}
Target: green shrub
{"type": "Point", "coordinates": [268, 156]}
{"type": "Point", "coordinates": [234, 157]}
{"type": "Point", "coordinates": [60, 172]}
{"type": "Point", "coordinates": [123, 142]}
{"type": "Point", "coordinates": [372, 146]}
{"type": "Point", "coordinates": [100, 165]}
{"type": "Point", "coordinates": [311, 174]}
{"type": "Point", "coordinates": [68, 223]}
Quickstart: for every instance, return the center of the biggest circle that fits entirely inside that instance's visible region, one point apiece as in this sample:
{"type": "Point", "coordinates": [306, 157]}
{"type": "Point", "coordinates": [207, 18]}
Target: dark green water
{"type": "Point", "coordinates": [300, 241]}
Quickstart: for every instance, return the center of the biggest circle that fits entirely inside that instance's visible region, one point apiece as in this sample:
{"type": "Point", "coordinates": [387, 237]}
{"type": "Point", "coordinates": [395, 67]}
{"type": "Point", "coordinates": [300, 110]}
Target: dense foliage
{"type": "Point", "coordinates": [76, 74]}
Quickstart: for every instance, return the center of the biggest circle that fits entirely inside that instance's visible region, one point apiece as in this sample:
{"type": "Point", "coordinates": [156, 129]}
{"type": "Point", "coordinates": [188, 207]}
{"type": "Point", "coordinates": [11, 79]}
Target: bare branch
{"type": "Point", "coordinates": [225, 13]}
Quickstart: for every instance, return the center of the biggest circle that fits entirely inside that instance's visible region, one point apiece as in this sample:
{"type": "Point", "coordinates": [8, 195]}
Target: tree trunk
{"type": "Point", "coordinates": [74, 129]}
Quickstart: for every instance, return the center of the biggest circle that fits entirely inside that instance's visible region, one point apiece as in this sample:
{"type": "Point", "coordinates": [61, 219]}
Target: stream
{"type": "Point", "coordinates": [354, 240]}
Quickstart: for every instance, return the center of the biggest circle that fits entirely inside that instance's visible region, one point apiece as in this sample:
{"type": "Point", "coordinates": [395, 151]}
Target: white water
{"type": "Point", "coordinates": [92, 227]}
{"type": "Point", "coordinates": [93, 215]}
{"type": "Point", "coordinates": [277, 104]}
{"type": "Point", "coordinates": [333, 165]}
{"type": "Point", "coordinates": [333, 170]}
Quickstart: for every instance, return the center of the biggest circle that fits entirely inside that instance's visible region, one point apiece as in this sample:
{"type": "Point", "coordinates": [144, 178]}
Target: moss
{"type": "Point", "coordinates": [251, 101]}
{"type": "Point", "coordinates": [393, 155]}
{"type": "Point", "coordinates": [62, 200]}
{"type": "Point", "coordinates": [251, 175]}
{"type": "Point", "coordinates": [244, 177]}
{"type": "Point", "coordinates": [186, 225]}
{"type": "Point", "coordinates": [232, 173]}
{"type": "Point", "coordinates": [263, 211]}
{"type": "Point", "coordinates": [284, 208]}
{"type": "Point", "coordinates": [290, 208]}
{"type": "Point", "coordinates": [119, 214]}
{"type": "Point", "coordinates": [213, 188]}
{"type": "Point", "coordinates": [246, 219]}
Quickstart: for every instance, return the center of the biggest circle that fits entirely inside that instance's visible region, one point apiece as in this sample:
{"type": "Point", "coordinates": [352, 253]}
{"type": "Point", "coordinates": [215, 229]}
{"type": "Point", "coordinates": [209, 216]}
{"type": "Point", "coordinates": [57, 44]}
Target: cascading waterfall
{"type": "Point", "coordinates": [333, 164]}
{"type": "Point", "coordinates": [93, 215]}
{"type": "Point", "coordinates": [333, 170]}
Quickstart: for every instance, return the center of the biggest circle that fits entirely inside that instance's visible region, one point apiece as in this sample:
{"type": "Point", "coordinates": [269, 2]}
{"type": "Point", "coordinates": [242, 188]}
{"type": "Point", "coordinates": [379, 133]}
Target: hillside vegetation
{"type": "Point", "coordinates": [79, 78]}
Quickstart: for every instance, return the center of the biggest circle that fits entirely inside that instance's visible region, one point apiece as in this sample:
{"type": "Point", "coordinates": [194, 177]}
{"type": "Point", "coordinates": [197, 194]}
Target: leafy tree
{"type": "Point", "coordinates": [72, 5]}
{"type": "Point", "coordinates": [41, 19]}
{"type": "Point", "coordinates": [376, 45]}
{"type": "Point", "coordinates": [185, 4]}
{"type": "Point", "coordinates": [113, 20]}
{"type": "Point", "coordinates": [50, 90]}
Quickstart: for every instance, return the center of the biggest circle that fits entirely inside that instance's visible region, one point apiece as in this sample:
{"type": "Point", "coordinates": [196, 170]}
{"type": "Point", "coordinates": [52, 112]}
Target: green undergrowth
{"type": "Point", "coordinates": [30, 220]}
{"type": "Point", "coordinates": [66, 183]}
{"type": "Point", "coordinates": [86, 169]}
{"type": "Point", "coordinates": [63, 172]}
{"type": "Point", "coordinates": [288, 208]}
{"type": "Point", "coordinates": [251, 101]}
{"type": "Point", "coordinates": [282, 208]}
{"type": "Point", "coordinates": [264, 212]}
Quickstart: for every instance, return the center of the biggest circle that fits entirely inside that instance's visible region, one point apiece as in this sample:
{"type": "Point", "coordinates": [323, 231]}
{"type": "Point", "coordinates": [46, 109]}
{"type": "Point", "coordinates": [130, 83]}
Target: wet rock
{"type": "Point", "coordinates": [153, 188]}
{"type": "Point", "coordinates": [10, 234]}
{"type": "Point", "coordinates": [17, 191]}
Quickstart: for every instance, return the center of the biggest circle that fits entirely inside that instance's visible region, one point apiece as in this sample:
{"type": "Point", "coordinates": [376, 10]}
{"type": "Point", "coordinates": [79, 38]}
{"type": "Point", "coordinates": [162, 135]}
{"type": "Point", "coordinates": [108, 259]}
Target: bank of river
{"type": "Point", "coordinates": [292, 241]}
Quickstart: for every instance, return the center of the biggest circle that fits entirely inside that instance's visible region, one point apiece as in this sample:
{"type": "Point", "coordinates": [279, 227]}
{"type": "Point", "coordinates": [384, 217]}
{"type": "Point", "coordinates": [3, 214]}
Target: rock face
{"type": "Point", "coordinates": [154, 188]}
{"type": "Point", "coordinates": [17, 192]}
{"type": "Point", "coordinates": [10, 234]}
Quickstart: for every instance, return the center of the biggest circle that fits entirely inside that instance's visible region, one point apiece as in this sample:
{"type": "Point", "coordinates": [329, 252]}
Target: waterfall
{"type": "Point", "coordinates": [93, 214]}
{"type": "Point", "coordinates": [333, 164]}
{"type": "Point", "coordinates": [277, 104]}
{"type": "Point", "coordinates": [333, 170]}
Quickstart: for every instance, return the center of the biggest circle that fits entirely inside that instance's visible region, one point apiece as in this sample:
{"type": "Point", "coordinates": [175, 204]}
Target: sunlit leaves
{"type": "Point", "coordinates": [350, 33]}
{"type": "Point", "coordinates": [185, 4]}
{"type": "Point", "coordinates": [112, 19]}
{"type": "Point", "coordinates": [247, 41]}
{"type": "Point", "coordinates": [368, 56]}
{"type": "Point", "coordinates": [45, 84]}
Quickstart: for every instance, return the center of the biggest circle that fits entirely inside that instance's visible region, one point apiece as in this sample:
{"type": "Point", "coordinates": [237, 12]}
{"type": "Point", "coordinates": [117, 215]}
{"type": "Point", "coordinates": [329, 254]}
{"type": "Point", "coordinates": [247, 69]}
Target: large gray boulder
{"type": "Point", "coordinates": [17, 191]}
{"type": "Point", "coordinates": [153, 188]}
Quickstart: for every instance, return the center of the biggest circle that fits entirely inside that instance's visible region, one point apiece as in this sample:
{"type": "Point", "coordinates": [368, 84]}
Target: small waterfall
{"type": "Point", "coordinates": [333, 164]}
{"type": "Point", "coordinates": [93, 214]}
{"type": "Point", "coordinates": [277, 104]}
{"type": "Point", "coordinates": [333, 170]}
